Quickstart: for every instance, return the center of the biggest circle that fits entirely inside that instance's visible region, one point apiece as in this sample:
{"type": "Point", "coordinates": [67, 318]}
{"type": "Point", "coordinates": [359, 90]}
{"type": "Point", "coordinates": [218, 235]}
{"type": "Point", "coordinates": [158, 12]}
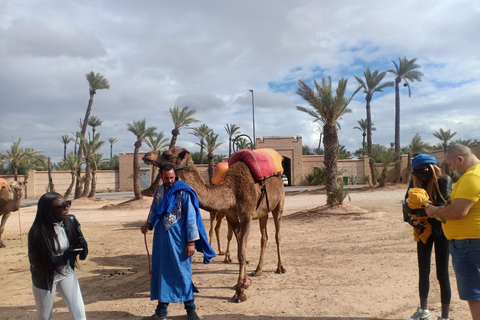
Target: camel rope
{"type": "Point", "coordinates": [246, 282]}
{"type": "Point", "coordinates": [19, 223]}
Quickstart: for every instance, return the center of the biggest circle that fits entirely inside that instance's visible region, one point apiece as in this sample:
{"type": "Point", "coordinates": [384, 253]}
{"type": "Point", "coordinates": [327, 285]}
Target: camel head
{"type": "Point", "coordinates": [17, 189]}
{"type": "Point", "coordinates": [178, 157]}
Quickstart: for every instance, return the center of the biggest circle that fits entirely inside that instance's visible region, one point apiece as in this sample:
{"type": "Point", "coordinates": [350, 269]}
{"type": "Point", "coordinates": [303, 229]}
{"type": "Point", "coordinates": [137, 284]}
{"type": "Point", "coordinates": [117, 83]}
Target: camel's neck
{"type": "Point", "coordinates": [211, 198]}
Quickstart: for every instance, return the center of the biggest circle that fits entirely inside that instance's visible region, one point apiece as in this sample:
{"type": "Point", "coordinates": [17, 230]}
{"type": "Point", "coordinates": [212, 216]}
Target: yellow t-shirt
{"type": "Point", "coordinates": [467, 187]}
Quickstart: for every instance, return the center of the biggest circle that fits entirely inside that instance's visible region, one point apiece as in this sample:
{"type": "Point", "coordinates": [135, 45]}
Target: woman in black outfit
{"type": "Point", "coordinates": [54, 241]}
{"type": "Point", "coordinates": [428, 232]}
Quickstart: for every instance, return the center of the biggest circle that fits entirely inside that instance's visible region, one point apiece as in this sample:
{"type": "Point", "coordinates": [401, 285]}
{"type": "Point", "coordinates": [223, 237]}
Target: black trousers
{"type": "Point", "coordinates": [424, 253]}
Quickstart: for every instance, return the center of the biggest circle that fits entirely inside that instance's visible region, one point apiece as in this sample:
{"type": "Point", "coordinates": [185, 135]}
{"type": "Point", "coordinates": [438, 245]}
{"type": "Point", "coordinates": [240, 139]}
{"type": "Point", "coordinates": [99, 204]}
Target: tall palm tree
{"type": "Point", "coordinates": [211, 144]}
{"type": "Point", "coordinates": [415, 147]}
{"type": "Point", "coordinates": [94, 122]}
{"type": "Point", "coordinates": [201, 132]}
{"type": "Point", "coordinates": [363, 126]}
{"type": "Point", "coordinates": [90, 148]}
{"type": "Point", "coordinates": [95, 162]}
{"type": "Point", "coordinates": [444, 137]}
{"type": "Point", "coordinates": [95, 82]}
{"type": "Point", "coordinates": [181, 118]}
{"type": "Point", "coordinates": [232, 129]}
{"type": "Point", "coordinates": [404, 71]}
{"type": "Point", "coordinates": [65, 139]}
{"type": "Point", "coordinates": [373, 83]}
{"type": "Point", "coordinates": [328, 109]}
{"type": "Point", "coordinates": [112, 141]}
{"type": "Point", "coordinates": [141, 131]}
{"type": "Point", "coordinates": [17, 156]}
{"type": "Point", "coordinates": [71, 163]}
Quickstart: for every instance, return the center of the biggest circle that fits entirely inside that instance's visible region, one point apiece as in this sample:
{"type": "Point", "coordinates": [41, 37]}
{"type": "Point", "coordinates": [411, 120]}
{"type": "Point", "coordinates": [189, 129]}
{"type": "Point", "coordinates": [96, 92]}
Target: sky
{"type": "Point", "coordinates": [207, 55]}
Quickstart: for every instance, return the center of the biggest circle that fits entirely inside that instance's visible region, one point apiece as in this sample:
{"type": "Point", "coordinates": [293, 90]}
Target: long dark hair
{"type": "Point", "coordinates": [41, 237]}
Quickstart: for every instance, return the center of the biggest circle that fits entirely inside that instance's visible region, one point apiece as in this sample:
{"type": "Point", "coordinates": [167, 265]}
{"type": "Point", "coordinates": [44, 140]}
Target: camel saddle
{"type": "Point", "coordinates": [262, 163]}
{"type": "Point", "coordinates": [5, 185]}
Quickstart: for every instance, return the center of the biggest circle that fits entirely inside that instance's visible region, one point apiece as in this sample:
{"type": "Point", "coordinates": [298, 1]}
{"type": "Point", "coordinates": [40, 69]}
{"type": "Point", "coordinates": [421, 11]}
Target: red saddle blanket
{"type": "Point", "coordinates": [262, 162]}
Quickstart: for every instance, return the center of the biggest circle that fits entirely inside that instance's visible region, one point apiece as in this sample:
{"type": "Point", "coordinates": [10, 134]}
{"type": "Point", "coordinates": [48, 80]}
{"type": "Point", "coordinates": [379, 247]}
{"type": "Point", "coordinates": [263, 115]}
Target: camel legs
{"type": "Point", "coordinates": [277, 218]}
{"type": "Point", "coordinates": [2, 227]}
{"type": "Point", "coordinates": [263, 244]}
{"type": "Point", "coordinates": [228, 256]}
{"type": "Point", "coordinates": [220, 216]}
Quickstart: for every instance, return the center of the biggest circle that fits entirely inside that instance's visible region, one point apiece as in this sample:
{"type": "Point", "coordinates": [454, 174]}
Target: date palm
{"type": "Point", "coordinates": [232, 130]}
{"type": "Point", "coordinates": [404, 71]}
{"type": "Point", "coordinates": [94, 122]}
{"type": "Point", "coordinates": [444, 137]}
{"type": "Point", "coordinates": [211, 144]}
{"type": "Point", "coordinates": [181, 118]}
{"type": "Point", "coordinates": [65, 139]}
{"type": "Point", "coordinates": [363, 128]}
{"type": "Point", "coordinates": [141, 131]}
{"type": "Point", "coordinates": [372, 83]}
{"type": "Point", "coordinates": [328, 109]}
{"type": "Point", "coordinates": [201, 132]}
{"type": "Point", "coordinates": [95, 162]}
{"type": "Point", "coordinates": [17, 156]}
{"type": "Point", "coordinates": [156, 142]}
{"type": "Point", "coordinates": [90, 148]}
{"type": "Point", "coordinates": [95, 82]}
{"type": "Point", "coordinates": [112, 141]}
{"type": "Point", "coordinates": [70, 164]}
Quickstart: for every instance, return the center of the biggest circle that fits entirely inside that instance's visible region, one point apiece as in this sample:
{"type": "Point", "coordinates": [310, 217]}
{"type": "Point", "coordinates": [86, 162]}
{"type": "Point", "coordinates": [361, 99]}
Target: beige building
{"type": "Point", "coordinates": [296, 166]}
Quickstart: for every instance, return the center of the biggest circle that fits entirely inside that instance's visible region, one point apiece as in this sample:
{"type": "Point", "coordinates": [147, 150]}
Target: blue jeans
{"type": "Point", "coordinates": [161, 310]}
{"type": "Point", "coordinates": [466, 263]}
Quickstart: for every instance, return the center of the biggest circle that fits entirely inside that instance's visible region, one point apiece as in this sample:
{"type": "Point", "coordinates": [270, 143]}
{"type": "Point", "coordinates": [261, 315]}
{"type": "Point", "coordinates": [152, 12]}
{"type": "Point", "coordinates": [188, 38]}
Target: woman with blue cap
{"type": "Point", "coordinates": [428, 232]}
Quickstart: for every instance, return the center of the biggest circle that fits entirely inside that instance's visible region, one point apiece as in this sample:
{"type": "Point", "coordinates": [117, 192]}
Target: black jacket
{"type": "Point", "coordinates": [43, 278]}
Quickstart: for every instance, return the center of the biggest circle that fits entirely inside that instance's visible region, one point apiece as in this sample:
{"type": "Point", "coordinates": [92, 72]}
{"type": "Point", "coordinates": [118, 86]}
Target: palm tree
{"type": "Point", "coordinates": [211, 144]}
{"type": "Point", "coordinates": [65, 139]}
{"type": "Point", "coordinates": [181, 118]}
{"type": "Point", "coordinates": [373, 83]}
{"type": "Point", "coordinates": [328, 109]}
{"type": "Point", "coordinates": [17, 156]}
{"type": "Point", "coordinates": [71, 163]}
{"type": "Point", "coordinates": [90, 148]}
{"type": "Point", "coordinates": [95, 162]}
{"type": "Point", "coordinates": [415, 147]}
{"type": "Point", "coordinates": [386, 159]}
{"type": "Point", "coordinates": [141, 131]}
{"type": "Point", "coordinates": [156, 142]}
{"type": "Point", "coordinates": [444, 137]}
{"type": "Point", "coordinates": [320, 131]}
{"type": "Point", "coordinates": [201, 132]}
{"type": "Point", "coordinates": [32, 162]}
{"type": "Point", "coordinates": [232, 129]}
{"type": "Point", "coordinates": [363, 126]}
{"type": "Point", "coordinates": [112, 141]}
{"type": "Point", "coordinates": [468, 142]}
{"type": "Point", "coordinates": [405, 70]}
{"type": "Point", "coordinates": [242, 143]}
{"type": "Point", "coordinates": [94, 122]}
{"type": "Point", "coordinates": [95, 82]}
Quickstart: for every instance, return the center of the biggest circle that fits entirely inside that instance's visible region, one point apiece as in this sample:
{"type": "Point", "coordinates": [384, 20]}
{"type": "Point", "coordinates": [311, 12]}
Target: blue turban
{"type": "Point", "coordinates": [423, 159]}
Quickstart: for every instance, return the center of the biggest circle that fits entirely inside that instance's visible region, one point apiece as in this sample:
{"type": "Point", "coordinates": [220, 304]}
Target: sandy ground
{"type": "Point", "coordinates": [356, 264]}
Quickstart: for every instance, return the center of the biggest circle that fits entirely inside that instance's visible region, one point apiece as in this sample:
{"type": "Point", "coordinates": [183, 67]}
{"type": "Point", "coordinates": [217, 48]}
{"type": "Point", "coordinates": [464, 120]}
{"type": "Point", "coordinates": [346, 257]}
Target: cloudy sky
{"type": "Point", "coordinates": [209, 54]}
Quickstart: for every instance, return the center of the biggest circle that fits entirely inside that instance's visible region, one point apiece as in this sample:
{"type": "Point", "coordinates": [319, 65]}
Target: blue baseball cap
{"type": "Point", "coordinates": [423, 159]}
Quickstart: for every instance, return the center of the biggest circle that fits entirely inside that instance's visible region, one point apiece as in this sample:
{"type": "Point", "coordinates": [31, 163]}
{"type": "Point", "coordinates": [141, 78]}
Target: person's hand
{"type": "Point", "coordinates": [431, 210]}
{"type": "Point", "coordinates": [190, 249]}
{"type": "Point", "coordinates": [147, 226]}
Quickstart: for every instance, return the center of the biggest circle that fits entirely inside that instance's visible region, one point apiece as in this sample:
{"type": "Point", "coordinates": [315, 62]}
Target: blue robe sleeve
{"type": "Point", "coordinates": [191, 215]}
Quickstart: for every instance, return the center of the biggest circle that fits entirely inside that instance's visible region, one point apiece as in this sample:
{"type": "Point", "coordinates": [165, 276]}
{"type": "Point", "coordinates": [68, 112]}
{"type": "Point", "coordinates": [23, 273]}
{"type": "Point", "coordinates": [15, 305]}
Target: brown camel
{"type": "Point", "coordinates": [10, 196]}
{"type": "Point", "coordinates": [215, 227]}
{"type": "Point", "coordinates": [240, 197]}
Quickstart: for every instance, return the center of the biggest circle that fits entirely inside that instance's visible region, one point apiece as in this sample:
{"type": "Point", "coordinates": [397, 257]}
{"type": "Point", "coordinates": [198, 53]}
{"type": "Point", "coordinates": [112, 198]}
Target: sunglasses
{"type": "Point", "coordinates": [64, 206]}
{"type": "Point", "coordinates": [420, 171]}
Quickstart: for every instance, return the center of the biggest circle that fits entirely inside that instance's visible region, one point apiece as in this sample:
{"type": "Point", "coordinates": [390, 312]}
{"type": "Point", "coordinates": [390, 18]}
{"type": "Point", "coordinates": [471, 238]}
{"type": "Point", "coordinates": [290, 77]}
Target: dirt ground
{"type": "Point", "coordinates": [353, 264]}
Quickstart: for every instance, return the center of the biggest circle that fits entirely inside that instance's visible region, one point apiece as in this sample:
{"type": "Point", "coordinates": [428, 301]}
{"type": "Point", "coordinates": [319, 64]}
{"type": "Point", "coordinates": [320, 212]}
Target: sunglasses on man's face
{"type": "Point", "coordinates": [64, 206]}
{"type": "Point", "coordinates": [417, 172]}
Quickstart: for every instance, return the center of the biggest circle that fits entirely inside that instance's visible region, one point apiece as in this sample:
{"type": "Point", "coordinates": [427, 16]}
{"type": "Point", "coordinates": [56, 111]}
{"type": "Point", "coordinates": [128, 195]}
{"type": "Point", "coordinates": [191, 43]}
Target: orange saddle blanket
{"type": "Point", "coordinates": [219, 172]}
{"type": "Point", "coordinates": [4, 185]}
{"type": "Point", "coordinates": [262, 162]}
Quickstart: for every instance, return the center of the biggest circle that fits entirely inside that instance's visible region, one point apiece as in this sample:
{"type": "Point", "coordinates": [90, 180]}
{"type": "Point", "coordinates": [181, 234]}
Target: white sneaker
{"type": "Point", "coordinates": [420, 314]}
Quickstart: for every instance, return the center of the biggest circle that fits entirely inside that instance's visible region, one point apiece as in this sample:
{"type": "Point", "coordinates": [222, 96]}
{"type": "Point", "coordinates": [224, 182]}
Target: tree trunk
{"type": "Point", "coordinates": [136, 171]}
{"type": "Point", "coordinates": [88, 177]}
{"type": "Point", "coordinates": [70, 187]}
{"type": "Point", "coordinates": [371, 162]}
{"type": "Point", "coordinates": [330, 143]}
{"type": "Point", "coordinates": [50, 180]}
{"type": "Point", "coordinates": [175, 133]}
{"type": "Point", "coordinates": [211, 168]}
{"type": "Point", "coordinates": [409, 166]}
{"type": "Point", "coordinates": [363, 144]}
{"type": "Point", "coordinates": [65, 152]}
{"type": "Point", "coordinates": [78, 188]}
{"type": "Point", "coordinates": [229, 147]}
{"type": "Point", "coordinates": [201, 155]}
{"type": "Point", "coordinates": [94, 184]}
{"type": "Point", "coordinates": [397, 131]}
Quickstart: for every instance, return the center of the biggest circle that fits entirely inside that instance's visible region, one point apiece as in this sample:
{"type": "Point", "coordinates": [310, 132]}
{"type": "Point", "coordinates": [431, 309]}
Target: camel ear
{"type": "Point", "coordinates": [184, 154]}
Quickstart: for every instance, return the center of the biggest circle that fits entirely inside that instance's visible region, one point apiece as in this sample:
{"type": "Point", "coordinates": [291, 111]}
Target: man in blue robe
{"type": "Point", "coordinates": [179, 230]}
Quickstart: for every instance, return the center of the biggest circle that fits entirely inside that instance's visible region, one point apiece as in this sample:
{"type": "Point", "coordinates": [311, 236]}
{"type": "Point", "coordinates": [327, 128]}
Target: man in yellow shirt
{"type": "Point", "coordinates": [462, 224]}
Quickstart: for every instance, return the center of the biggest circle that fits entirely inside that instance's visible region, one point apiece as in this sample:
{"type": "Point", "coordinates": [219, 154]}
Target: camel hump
{"type": "Point", "coordinates": [262, 163]}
